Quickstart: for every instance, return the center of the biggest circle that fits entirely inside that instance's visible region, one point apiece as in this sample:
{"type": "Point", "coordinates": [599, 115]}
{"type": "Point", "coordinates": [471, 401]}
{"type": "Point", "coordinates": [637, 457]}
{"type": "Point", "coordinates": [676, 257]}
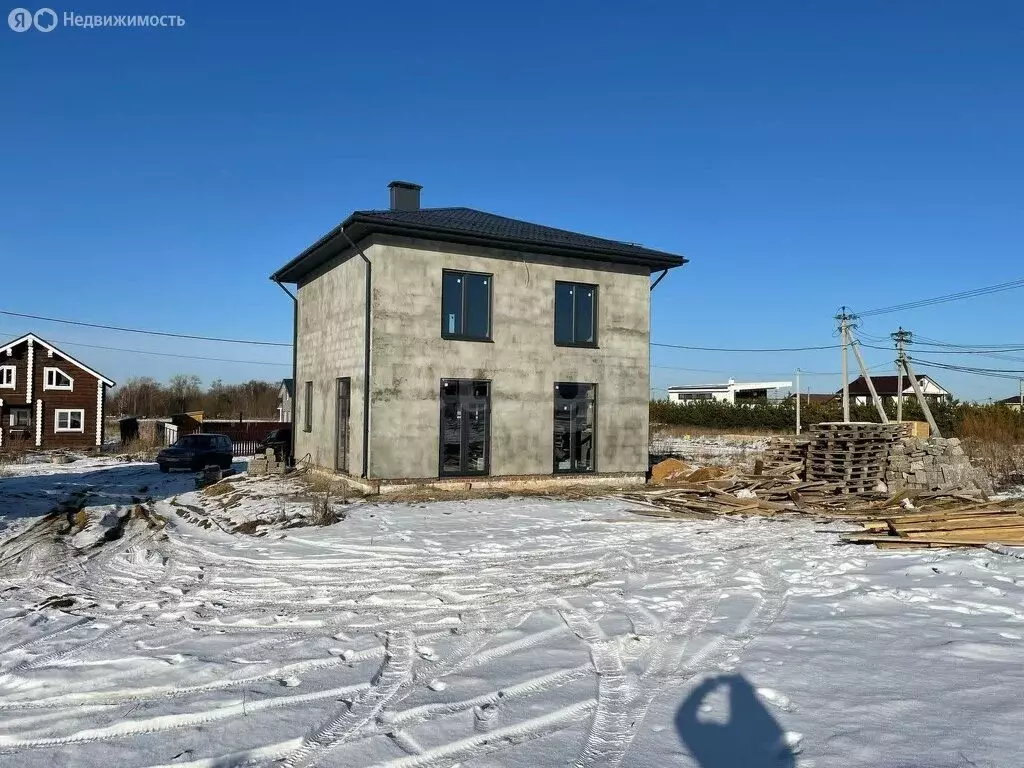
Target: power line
{"type": "Point", "coordinates": [996, 373]}
{"type": "Point", "coordinates": [730, 349]}
{"type": "Point", "coordinates": [982, 352]}
{"type": "Point", "coordinates": [1002, 347]}
{"type": "Point", "coordinates": [985, 291]}
{"type": "Point", "coordinates": [169, 354]}
{"type": "Point", "coordinates": [145, 332]}
{"type": "Point", "coordinates": [763, 373]}
{"type": "Point", "coordinates": [194, 337]}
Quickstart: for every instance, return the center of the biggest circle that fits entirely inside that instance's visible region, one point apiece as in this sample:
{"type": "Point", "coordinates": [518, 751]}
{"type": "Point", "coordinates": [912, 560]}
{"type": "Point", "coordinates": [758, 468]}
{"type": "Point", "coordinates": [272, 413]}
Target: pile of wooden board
{"type": "Point", "coordinates": [909, 519]}
{"type": "Point", "coordinates": [855, 455]}
{"type": "Point", "coordinates": [757, 495]}
{"type": "Point", "coordinates": [943, 521]}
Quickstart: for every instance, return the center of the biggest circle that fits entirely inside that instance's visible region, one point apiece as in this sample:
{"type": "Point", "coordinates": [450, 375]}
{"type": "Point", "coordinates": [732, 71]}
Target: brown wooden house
{"type": "Point", "coordinates": [48, 399]}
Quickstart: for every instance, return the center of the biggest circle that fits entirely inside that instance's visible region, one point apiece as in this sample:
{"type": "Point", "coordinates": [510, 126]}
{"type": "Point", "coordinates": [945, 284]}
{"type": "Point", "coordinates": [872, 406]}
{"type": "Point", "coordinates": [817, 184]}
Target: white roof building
{"type": "Point", "coordinates": [731, 392]}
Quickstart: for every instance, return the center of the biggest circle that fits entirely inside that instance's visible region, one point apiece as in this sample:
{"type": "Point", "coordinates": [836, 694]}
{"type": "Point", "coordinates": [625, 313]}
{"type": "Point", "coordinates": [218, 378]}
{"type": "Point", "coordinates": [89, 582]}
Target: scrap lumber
{"type": "Point", "coordinates": [957, 520]}
{"type": "Point", "coordinates": [910, 519]}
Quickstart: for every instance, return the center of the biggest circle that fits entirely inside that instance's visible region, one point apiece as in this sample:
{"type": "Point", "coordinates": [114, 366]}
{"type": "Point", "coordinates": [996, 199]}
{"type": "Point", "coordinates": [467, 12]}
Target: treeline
{"type": "Point", "coordinates": [145, 397]}
{"type": "Point", "coordinates": [781, 417]}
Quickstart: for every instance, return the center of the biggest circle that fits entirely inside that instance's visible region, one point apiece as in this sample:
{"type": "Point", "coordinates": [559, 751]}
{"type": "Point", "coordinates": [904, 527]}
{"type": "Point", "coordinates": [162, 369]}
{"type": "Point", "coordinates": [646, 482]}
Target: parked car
{"type": "Point", "coordinates": [196, 452]}
{"type": "Point", "coordinates": [281, 441]}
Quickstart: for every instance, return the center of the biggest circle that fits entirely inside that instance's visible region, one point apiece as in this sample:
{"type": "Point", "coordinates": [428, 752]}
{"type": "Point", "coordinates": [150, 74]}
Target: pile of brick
{"type": "Point", "coordinates": [935, 464]}
{"type": "Point", "coordinates": [266, 464]}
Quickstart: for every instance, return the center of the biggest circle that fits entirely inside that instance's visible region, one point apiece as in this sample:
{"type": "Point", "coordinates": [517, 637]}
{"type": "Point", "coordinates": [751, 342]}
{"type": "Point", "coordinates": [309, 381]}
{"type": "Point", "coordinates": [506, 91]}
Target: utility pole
{"type": "Point", "coordinates": [875, 399]}
{"type": "Point", "coordinates": [798, 399]}
{"type": "Point", "coordinates": [844, 320]}
{"type": "Point", "coordinates": [921, 398]}
{"type": "Point", "coordinates": [902, 338]}
{"type": "Point", "coordinates": [1021, 396]}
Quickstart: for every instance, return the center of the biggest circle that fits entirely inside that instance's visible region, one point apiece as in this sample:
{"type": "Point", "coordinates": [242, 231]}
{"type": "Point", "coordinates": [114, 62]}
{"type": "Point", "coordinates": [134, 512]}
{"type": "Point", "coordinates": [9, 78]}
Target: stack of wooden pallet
{"type": "Point", "coordinates": [944, 521]}
{"type": "Point", "coordinates": [785, 456]}
{"type": "Point", "coordinates": [854, 455]}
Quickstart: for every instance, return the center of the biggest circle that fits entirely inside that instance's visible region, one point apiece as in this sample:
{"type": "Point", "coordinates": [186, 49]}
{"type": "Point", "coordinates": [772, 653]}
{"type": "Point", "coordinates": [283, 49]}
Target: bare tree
{"type": "Point", "coordinates": [145, 397]}
{"type": "Point", "coordinates": [184, 392]}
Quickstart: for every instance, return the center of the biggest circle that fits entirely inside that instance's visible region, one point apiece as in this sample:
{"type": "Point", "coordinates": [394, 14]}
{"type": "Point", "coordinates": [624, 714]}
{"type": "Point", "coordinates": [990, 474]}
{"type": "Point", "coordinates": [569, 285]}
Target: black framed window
{"type": "Point", "coordinates": [465, 436]}
{"type": "Point", "coordinates": [575, 427]}
{"type": "Point", "coordinates": [466, 305]}
{"type": "Point", "coordinates": [341, 435]}
{"type": "Point", "coordinates": [307, 407]}
{"type": "Point", "coordinates": [575, 314]}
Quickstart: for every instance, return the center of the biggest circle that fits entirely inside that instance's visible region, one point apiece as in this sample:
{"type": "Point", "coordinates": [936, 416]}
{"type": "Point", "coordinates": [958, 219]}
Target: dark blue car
{"type": "Point", "coordinates": [196, 452]}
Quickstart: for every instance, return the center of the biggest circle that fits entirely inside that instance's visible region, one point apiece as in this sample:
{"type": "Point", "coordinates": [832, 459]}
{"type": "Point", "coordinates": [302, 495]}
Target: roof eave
{"type": "Point", "coordinates": [358, 226]}
{"type": "Point", "coordinates": [43, 342]}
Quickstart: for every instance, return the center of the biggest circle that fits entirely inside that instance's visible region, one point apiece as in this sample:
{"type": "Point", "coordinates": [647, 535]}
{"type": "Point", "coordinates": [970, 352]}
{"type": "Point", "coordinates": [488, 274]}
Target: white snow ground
{"type": "Point", "coordinates": [513, 632]}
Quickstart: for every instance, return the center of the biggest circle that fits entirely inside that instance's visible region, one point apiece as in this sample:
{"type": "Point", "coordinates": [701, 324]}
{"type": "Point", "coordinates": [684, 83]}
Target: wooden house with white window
{"type": "Point", "coordinates": [48, 399]}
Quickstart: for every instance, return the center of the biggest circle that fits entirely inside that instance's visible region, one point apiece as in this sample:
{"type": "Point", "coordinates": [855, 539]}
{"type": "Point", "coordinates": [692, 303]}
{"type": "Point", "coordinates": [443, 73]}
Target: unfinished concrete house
{"type": "Point", "coordinates": [453, 345]}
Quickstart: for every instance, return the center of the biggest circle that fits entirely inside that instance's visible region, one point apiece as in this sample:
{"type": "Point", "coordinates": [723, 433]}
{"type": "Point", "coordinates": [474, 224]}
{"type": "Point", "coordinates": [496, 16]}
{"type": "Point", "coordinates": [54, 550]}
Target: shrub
{"type": "Point", "coordinates": [781, 417]}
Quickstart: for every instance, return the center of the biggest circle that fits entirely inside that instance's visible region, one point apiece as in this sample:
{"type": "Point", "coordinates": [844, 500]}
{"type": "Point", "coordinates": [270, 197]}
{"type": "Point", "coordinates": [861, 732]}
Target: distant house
{"type": "Point", "coordinates": [285, 397]}
{"type": "Point", "coordinates": [887, 388]}
{"type": "Point", "coordinates": [48, 399]}
{"type": "Point", "coordinates": [732, 392]}
{"type": "Point", "coordinates": [1013, 403]}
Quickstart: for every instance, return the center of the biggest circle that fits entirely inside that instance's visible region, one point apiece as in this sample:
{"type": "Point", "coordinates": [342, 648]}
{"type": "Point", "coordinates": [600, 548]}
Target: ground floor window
{"type": "Point", "coordinates": [465, 436]}
{"type": "Point", "coordinates": [307, 407]}
{"type": "Point", "coordinates": [69, 420]}
{"type": "Point", "coordinates": [21, 417]}
{"type": "Point", "coordinates": [575, 418]}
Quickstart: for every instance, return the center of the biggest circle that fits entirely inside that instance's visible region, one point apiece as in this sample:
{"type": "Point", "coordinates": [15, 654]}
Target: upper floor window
{"type": "Point", "coordinates": [55, 378]}
{"type": "Point", "coordinates": [8, 376]}
{"type": "Point", "coordinates": [575, 314]}
{"type": "Point", "coordinates": [466, 305]}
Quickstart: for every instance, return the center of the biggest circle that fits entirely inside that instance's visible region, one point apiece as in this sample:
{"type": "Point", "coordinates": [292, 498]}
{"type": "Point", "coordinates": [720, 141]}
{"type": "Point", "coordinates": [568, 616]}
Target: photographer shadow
{"type": "Point", "coordinates": [750, 737]}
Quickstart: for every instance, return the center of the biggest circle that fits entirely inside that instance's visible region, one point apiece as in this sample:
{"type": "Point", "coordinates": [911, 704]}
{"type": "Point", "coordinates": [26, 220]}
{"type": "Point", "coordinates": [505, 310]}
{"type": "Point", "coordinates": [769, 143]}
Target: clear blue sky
{"type": "Point", "coordinates": [802, 155]}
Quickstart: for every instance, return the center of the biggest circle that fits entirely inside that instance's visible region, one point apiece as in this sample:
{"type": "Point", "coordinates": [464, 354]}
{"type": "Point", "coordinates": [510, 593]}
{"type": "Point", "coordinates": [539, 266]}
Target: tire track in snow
{"type": "Point", "coordinates": [614, 690]}
{"type": "Point", "coordinates": [160, 723]}
{"type": "Point", "coordinates": [495, 740]}
{"type": "Point", "coordinates": [394, 673]}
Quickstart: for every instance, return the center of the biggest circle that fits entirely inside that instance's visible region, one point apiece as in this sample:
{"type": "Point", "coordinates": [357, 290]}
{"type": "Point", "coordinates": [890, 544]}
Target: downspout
{"type": "Point", "coordinates": [366, 354]}
{"type": "Point", "coordinates": [295, 365]}
{"type": "Point", "coordinates": [649, 390]}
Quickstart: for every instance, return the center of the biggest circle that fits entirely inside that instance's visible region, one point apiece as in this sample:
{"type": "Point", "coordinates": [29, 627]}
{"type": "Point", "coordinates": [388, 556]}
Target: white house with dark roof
{"type": "Point", "coordinates": [888, 389]}
{"type": "Point", "coordinates": [732, 392]}
{"type": "Point", "coordinates": [450, 343]}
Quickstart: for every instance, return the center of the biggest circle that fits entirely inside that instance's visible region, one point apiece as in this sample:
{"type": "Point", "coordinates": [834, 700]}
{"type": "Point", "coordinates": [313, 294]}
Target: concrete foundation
{"type": "Point", "coordinates": [511, 484]}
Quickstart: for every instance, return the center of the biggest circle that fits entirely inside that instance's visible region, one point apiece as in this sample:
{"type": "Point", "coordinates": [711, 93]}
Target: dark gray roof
{"type": "Point", "coordinates": [469, 226]}
{"type": "Point", "coordinates": [289, 386]}
{"type": "Point", "coordinates": [885, 386]}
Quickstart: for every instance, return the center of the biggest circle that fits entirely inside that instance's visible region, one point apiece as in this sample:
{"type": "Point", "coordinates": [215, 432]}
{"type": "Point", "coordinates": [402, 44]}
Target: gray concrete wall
{"type": "Point", "coordinates": [409, 358]}
{"type": "Point", "coordinates": [331, 315]}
